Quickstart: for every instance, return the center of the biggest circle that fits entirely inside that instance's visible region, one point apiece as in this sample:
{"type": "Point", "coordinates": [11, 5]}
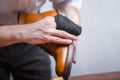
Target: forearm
{"type": "Point", "coordinates": [5, 36]}
{"type": "Point", "coordinates": [40, 32]}
{"type": "Point", "coordinates": [71, 12]}
{"type": "Point", "coordinates": [10, 34]}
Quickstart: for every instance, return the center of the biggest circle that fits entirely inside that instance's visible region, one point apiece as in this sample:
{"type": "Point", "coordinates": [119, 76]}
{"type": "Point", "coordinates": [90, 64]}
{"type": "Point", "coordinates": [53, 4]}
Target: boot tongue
{"type": "Point", "coordinates": [63, 23]}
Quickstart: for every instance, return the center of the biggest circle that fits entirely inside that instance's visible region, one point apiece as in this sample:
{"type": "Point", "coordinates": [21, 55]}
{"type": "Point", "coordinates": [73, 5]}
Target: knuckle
{"type": "Point", "coordinates": [49, 18]}
{"type": "Point", "coordinates": [46, 32]}
{"type": "Point", "coordinates": [58, 40]}
{"type": "Point", "coordinates": [45, 38]}
{"type": "Point", "coordinates": [50, 23]}
{"type": "Point", "coordinates": [64, 33]}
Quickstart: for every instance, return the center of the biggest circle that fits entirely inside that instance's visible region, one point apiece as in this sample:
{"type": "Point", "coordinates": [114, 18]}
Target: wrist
{"type": "Point", "coordinates": [70, 12]}
{"type": "Point", "coordinates": [62, 11]}
{"type": "Point", "coordinates": [20, 33]}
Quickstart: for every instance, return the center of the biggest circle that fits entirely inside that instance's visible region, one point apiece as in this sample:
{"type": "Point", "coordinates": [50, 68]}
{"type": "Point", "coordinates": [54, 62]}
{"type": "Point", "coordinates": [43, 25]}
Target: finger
{"type": "Point", "coordinates": [74, 51]}
{"type": "Point", "coordinates": [63, 34]}
{"type": "Point", "coordinates": [37, 41]}
{"type": "Point", "coordinates": [59, 40]}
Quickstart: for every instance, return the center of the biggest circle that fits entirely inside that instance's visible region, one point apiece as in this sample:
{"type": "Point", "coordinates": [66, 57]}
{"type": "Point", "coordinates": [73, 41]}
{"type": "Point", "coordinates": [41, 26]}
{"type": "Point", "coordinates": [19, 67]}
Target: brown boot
{"type": "Point", "coordinates": [60, 53]}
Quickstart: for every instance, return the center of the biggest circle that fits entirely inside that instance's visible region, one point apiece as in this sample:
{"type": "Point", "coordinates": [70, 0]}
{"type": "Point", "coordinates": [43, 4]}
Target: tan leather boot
{"type": "Point", "coordinates": [60, 54]}
{"type": "Point", "coordinates": [58, 51]}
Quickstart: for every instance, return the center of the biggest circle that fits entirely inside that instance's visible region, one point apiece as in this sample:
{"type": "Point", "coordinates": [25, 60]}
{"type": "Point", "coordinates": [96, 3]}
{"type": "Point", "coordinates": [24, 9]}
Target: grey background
{"type": "Point", "coordinates": [98, 49]}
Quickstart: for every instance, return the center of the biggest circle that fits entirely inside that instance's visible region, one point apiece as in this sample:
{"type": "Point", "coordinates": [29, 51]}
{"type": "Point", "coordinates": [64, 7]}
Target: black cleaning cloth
{"type": "Point", "coordinates": [63, 23]}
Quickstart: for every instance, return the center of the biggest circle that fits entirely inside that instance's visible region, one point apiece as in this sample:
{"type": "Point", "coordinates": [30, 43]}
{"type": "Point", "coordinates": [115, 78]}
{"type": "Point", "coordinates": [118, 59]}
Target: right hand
{"type": "Point", "coordinates": [45, 31]}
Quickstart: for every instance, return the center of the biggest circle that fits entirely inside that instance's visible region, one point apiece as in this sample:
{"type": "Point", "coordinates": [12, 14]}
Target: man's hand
{"type": "Point", "coordinates": [73, 14]}
{"type": "Point", "coordinates": [40, 32]}
{"type": "Point", "coordinates": [44, 31]}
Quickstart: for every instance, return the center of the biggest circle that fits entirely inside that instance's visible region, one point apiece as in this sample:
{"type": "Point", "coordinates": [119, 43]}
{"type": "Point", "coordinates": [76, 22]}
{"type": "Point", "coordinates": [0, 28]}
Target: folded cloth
{"type": "Point", "coordinates": [63, 23]}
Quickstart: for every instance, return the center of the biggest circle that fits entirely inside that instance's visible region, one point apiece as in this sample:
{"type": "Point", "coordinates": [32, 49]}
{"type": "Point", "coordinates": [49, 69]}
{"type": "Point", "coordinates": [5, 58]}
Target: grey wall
{"type": "Point", "coordinates": [99, 45]}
